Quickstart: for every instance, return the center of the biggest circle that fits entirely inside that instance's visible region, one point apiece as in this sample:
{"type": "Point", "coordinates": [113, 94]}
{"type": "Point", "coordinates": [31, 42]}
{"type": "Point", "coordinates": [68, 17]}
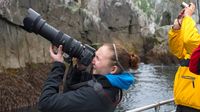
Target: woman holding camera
{"type": "Point", "coordinates": [85, 92]}
{"type": "Point", "coordinates": [183, 39]}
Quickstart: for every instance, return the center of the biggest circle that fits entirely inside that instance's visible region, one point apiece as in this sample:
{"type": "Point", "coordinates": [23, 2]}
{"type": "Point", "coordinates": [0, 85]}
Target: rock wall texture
{"type": "Point", "coordinates": [86, 21]}
{"type": "Point", "coordinates": [140, 25]}
{"type": "Point", "coordinates": [132, 23]}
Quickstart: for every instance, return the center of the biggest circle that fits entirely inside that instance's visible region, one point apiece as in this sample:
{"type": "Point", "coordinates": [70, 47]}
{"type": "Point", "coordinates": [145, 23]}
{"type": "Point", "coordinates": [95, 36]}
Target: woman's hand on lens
{"type": "Point", "coordinates": [56, 56]}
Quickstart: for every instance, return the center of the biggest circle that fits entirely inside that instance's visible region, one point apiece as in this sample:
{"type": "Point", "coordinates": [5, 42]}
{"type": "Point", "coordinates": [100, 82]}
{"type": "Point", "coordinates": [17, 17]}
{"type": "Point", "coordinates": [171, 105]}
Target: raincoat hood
{"type": "Point", "coordinates": [122, 81]}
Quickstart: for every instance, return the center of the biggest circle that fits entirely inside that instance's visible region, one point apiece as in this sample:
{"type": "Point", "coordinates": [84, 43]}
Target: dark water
{"type": "Point", "coordinates": [153, 84]}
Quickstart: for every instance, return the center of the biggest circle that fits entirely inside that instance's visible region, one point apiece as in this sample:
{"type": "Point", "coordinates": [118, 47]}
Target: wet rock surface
{"type": "Point", "coordinates": [22, 87]}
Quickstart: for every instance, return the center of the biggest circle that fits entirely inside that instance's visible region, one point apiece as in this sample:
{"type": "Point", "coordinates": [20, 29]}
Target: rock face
{"type": "Point", "coordinates": [140, 25]}
{"type": "Point", "coordinates": [128, 22]}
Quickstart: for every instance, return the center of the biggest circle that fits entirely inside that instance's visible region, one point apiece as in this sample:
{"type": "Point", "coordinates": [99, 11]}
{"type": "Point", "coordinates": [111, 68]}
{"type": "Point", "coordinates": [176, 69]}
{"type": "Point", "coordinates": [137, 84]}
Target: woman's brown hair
{"type": "Point", "coordinates": [122, 58]}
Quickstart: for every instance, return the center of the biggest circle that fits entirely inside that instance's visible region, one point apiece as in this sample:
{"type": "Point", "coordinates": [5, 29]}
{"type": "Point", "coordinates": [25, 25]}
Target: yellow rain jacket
{"type": "Point", "coordinates": [182, 43]}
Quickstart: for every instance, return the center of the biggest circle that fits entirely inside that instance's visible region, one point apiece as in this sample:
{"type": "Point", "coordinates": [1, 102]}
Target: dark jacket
{"type": "Point", "coordinates": [82, 99]}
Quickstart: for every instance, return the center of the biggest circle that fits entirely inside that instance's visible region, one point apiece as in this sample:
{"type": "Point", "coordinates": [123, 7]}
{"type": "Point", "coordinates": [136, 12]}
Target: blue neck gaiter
{"type": "Point", "coordinates": [122, 81]}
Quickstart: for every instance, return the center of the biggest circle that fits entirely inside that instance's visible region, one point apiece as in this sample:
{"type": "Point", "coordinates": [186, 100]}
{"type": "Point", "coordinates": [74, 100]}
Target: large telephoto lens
{"type": "Point", "coordinates": [34, 23]}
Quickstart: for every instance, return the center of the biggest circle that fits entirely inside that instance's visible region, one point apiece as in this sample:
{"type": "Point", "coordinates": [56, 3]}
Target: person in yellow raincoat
{"type": "Point", "coordinates": [183, 39]}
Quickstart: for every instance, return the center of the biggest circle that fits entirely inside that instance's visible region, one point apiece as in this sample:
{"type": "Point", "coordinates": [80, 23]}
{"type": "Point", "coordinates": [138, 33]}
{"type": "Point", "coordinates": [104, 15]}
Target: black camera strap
{"type": "Point", "coordinates": [67, 77]}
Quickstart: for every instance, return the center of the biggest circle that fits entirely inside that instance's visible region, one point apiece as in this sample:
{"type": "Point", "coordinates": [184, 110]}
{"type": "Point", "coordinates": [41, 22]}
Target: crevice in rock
{"type": "Point", "coordinates": [10, 22]}
{"type": "Point", "coordinates": [130, 26]}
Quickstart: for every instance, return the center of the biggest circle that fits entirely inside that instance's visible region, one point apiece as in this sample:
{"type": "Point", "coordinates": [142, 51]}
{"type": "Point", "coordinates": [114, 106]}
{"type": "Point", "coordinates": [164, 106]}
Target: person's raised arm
{"type": "Point", "coordinates": [175, 41]}
{"type": "Point", "coordinates": [189, 32]}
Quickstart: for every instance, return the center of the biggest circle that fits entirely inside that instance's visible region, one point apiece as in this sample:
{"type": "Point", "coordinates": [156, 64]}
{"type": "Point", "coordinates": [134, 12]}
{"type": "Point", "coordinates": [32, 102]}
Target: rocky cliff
{"type": "Point", "coordinates": [140, 25]}
{"type": "Point", "coordinates": [89, 21]}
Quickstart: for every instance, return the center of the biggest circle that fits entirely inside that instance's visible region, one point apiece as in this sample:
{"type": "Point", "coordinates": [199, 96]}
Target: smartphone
{"type": "Point", "coordinates": [183, 5]}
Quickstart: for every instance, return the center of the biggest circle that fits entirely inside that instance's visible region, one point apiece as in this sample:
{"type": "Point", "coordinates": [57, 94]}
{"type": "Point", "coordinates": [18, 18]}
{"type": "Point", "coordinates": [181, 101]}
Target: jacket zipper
{"type": "Point", "coordinates": [190, 78]}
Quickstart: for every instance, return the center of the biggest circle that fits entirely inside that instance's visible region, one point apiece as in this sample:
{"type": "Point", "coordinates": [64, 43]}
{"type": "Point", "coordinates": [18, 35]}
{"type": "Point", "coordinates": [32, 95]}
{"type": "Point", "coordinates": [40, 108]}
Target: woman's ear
{"type": "Point", "coordinates": [114, 69]}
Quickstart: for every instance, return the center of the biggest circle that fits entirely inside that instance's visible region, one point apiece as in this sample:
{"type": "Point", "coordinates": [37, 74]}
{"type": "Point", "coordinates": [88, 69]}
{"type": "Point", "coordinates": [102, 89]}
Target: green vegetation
{"type": "Point", "coordinates": [145, 5]}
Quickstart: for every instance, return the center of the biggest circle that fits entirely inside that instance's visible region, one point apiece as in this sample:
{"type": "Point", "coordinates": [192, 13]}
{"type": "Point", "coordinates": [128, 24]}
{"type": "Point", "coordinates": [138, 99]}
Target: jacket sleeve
{"type": "Point", "coordinates": [189, 32]}
{"type": "Point", "coordinates": [176, 43]}
{"type": "Point", "coordinates": [185, 40]}
{"type": "Point", "coordinates": [51, 86]}
{"type": "Point", "coordinates": [51, 100]}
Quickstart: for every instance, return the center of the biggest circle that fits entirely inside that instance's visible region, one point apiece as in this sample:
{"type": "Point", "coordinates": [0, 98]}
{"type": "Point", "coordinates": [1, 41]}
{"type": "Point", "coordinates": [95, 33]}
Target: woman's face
{"type": "Point", "coordinates": [102, 61]}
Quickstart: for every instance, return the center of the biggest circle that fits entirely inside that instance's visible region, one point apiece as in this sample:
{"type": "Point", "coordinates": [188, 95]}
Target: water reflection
{"type": "Point", "coordinates": [153, 84]}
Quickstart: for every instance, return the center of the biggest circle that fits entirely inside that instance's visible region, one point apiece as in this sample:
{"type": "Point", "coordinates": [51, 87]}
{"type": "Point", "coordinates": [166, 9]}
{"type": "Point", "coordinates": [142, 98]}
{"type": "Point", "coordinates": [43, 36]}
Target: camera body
{"type": "Point", "coordinates": [33, 22]}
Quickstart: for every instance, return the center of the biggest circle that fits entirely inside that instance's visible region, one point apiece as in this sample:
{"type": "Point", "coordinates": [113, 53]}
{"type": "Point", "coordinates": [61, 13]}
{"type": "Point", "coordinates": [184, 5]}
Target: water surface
{"type": "Point", "coordinates": [153, 84]}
